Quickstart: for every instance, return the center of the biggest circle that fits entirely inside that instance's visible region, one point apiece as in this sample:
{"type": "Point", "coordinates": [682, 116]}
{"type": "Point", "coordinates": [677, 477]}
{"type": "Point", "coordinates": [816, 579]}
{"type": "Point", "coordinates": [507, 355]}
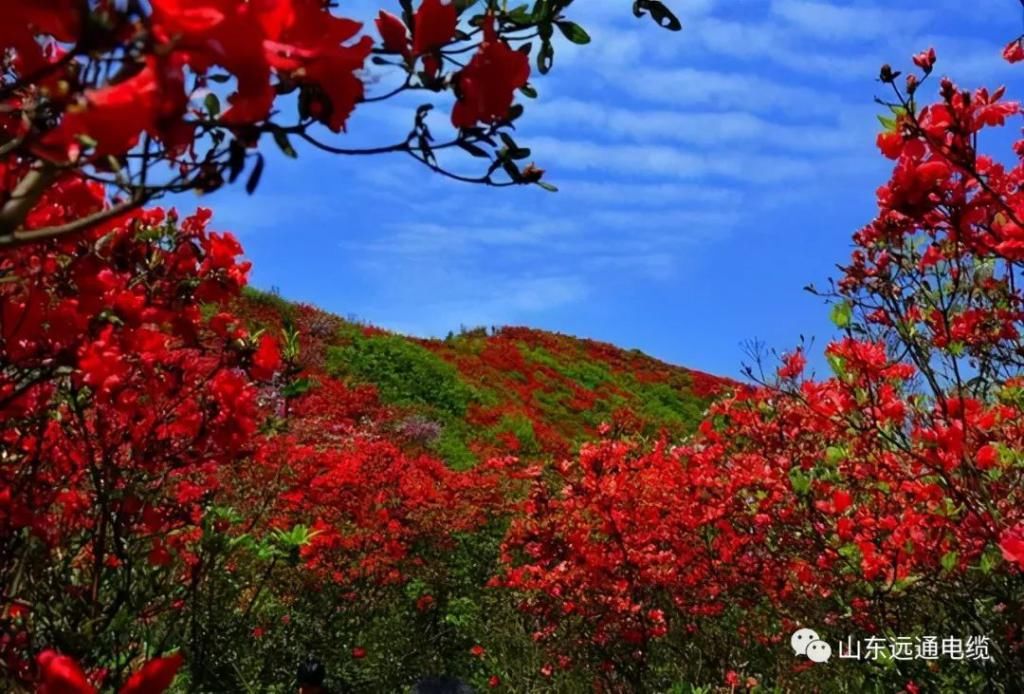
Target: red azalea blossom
{"type": "Point", "coordinates": [1014, 51]}
{"type": "Point", "coordinates": [793, 365]}
{"type": "Point", "coordinates": [393, 32]}
{"type": "Point", "coordinates": [433, 25]}
{"type": "Point", "coordinates": [925, 60]}
{"type": "Point", "coordinates": [154, 677]}
{"type": "Point", "coordinates": [488, 83]}
{"type": "Point", "coordinates": [61, 675]}
{"type": "Point", "coordinates": [1012, 546]}
{"type": "Point", "coordinates": [267, 358]}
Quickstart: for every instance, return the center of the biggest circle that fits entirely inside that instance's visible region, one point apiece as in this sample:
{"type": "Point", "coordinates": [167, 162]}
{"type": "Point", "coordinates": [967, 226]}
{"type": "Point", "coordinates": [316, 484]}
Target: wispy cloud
{"type": "Point", "coordinates": [664, 161]}
{"type": "Point", "coordinates": [500, 301]}
{"type": "Point", "coordinates": [849, 23]}
{"type": "Point", "coordinates": [702, 128]}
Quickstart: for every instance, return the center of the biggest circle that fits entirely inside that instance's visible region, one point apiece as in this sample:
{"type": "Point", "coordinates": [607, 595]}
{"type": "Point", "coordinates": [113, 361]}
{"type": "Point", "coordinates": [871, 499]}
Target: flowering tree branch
{"type": "Point", "coordinates": [153, 98]}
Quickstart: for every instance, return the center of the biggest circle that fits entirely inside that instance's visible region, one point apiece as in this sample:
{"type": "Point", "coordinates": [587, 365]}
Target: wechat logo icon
{"type": "Point", "coordinates": [806, 642]}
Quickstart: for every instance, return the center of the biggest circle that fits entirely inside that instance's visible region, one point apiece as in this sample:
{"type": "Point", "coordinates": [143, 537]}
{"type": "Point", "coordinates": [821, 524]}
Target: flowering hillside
{"type": "Point", "coordinates": [206, 488]}
{"type": "Point", "coordinates": [484, 393]}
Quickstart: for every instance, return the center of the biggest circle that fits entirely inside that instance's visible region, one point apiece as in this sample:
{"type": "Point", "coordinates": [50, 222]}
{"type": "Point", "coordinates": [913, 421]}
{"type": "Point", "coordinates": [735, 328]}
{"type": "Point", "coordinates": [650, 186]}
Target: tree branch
{"type": "Point", "coordinates": [17, 238]}
{"type": "Point", "coordinates": [24, 197]}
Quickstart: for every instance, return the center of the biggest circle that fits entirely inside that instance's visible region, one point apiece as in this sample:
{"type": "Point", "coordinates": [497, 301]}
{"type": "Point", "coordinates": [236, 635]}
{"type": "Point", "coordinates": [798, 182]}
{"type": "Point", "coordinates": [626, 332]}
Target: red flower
{"type": "Point", "coordinates": [477, 651]}
{"type": "Point", "coordinates": [494, 682]}
{"type": "Point", "coordinates": [302, 40]}
{"type": "Point", "coordinates": [487, 86]}
{"type": "Point", "coordinates": [1014, 51]}
{"type": "Point", "coordinates": [433, 25]}
{"type": "Point", "coordinates": [26, 20]}
{"type": "Point", "coordinates": [393, 32]}
{"type": "Point", "coordinates": [841, 500]}
{"type": "Point", "coordinates": [925, 60]}
{"type": "Point", "coordinates": [116, 115]}
{"type": "Point", "coordinates": [158, 555]}
{"type": "Point", "coordinates": [358, 652]}
{"type": "Point", "coordinates": [154, 677]}
{"type": "Point", "coordinates": [61, 675]}
{"type": "Point", "coordinates": [987, 457]}
{"type": "Point", "coordinates": [793, 365]}
{"type": "Point", "coordinates": [1012, 545]}
{"type": "Point", "coordinates": [266, 360]}
{"type": "Point", "coordinates": [890, 143]}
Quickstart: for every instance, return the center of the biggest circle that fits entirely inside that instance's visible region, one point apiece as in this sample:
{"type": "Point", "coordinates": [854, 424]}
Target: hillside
{"type": "Point", "coordinates": [485, 392]}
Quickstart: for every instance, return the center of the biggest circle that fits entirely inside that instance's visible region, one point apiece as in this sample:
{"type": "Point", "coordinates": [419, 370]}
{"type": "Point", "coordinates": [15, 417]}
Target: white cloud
{"type": "Point", "coordinates": [648, 196]}
{"type": "Point", "coordinates": [500, 300]}
{"type": "Point", "coordinates": [705, 129]}
{"type": "Point", "coordinates": [663, 161]}
{"type": "Point", "coordinates": [834, 22]}
{"type": "Point", "coordinates": [699, 88]}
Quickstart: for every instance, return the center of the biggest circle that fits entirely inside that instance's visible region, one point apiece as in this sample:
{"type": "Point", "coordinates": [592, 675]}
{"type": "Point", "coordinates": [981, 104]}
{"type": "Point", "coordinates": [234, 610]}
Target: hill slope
{"type": "Point", "coordinates": [482, 393]}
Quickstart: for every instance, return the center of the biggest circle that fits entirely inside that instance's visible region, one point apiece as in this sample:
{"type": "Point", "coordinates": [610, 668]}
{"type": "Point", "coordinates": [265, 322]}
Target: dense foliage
{"type": "Point", "coordinates": [200, 487]}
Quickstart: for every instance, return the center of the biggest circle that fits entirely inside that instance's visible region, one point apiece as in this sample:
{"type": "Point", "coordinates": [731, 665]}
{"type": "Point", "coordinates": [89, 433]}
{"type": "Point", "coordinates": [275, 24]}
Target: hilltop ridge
{"type": "Point", "coordinates": [485, 392]}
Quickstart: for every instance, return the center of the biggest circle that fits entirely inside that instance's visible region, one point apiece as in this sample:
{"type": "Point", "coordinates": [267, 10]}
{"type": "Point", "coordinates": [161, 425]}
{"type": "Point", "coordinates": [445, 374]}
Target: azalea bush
{"type": "Point", "coordinates": [200, 487]}
{"type": "Point", "coordinates": [121, 406]}
{"type": "Point", "coordinates": [881, 500]}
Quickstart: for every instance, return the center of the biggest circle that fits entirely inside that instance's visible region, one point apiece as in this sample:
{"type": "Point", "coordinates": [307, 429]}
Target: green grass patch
{"type": "Point", "coordinates": [404, 372]}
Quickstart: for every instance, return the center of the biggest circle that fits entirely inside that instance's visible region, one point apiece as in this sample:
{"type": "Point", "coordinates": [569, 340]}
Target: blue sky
{"type": "Point", "coordinates": [705, 178]}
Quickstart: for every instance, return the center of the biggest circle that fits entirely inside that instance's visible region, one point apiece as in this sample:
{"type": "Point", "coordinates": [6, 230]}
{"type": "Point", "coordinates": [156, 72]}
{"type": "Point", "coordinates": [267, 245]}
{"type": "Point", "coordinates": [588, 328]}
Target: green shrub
{"type": "Point", "coordinates": [404, 372]}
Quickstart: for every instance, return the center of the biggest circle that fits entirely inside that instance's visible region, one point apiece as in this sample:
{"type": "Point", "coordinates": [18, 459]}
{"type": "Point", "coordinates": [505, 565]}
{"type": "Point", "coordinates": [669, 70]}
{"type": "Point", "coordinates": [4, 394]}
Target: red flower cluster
{"type": "Point", "coordinates": [841, 500]}
{"type": "Point", "coordinates": [487, 86]}
{"type": "Point", "coordinates": [369, 505]}
{"type": "Point", "coordinates": [120, 401]}
{"type": "Point", "coordinates": [60, 674]}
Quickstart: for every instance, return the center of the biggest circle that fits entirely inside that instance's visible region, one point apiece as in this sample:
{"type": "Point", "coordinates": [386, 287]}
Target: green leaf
{"type": "Point", "coordinates": [842, 315]}
{"type": "Point", "coordinates": [850, 551]}
{"type": "Point", "coordinates": [545, 58]}
{"type": "Point", "coordinates": [800, 482]}
{"type": "Point", "coordinates": [254, 177]}
{"type": "Point", "coordinates": [574, 32]}
{"type": "Point", "coordinates": [989, 560]}
{"type": "Point", "coordinates": [950, 560]}
{"type": "Point", "coordinates": [212, 104]}
{"type": "Point", "coordinates": [835, 454]}
{"type": "Point", "coordinates": [236, 160]}
{"type": "Point", "coordinates": [519, 15]}
{"type": "Point", "coordinates": [285, 145]}
{"type": "Point", "coordinates": [547, 186]}
{"type": "Point", "coordinates": [297, 388]}
{"type": "Point", "coordinates": [528, 91]}
{"type": "Point", "coordinates": [837, 364]}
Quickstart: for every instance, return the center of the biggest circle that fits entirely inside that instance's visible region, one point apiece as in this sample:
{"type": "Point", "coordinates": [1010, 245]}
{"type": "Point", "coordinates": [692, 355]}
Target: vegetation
{"type": "Point", "coordinates": [203, 486]}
